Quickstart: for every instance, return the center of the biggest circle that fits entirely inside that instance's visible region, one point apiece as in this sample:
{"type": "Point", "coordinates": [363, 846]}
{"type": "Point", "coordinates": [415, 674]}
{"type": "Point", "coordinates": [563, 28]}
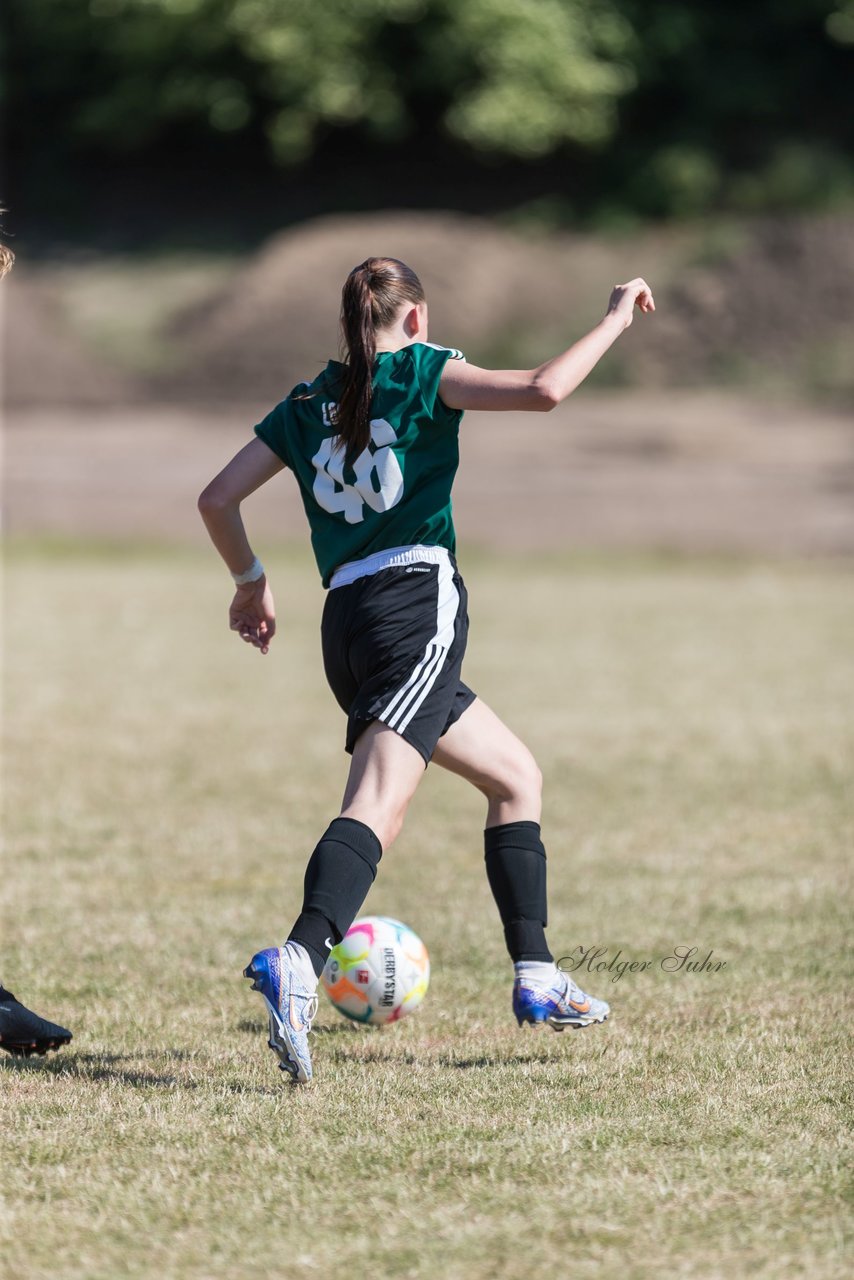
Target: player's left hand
{"type": "Point", "coordinates": [253, 614]}
{"type": "Point", "coordinates": [625, 297]}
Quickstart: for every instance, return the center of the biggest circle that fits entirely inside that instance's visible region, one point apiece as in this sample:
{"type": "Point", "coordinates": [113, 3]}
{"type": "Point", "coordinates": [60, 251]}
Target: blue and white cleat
{"type": "Point", "coordinates": [291, 1006]}
{"type": "Point", "coordinates": [562, 1004]}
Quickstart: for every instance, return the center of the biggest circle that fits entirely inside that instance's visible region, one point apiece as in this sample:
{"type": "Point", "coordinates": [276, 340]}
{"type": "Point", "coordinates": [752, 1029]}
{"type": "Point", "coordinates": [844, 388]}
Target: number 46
{"type": "Point", "coordinates": [335, 495]}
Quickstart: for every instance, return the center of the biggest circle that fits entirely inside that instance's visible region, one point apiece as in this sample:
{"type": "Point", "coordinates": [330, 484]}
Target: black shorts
{"type": "Point", "coordinates": [394, 635]}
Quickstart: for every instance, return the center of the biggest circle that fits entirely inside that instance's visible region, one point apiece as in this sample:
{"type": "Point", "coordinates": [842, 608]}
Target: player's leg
{"type": "Point", "coordinates": [480, 748]}
{"type": "Point", "coordinates": [384, 774]}
{"type": "Point", "coordinates": [393, 641]}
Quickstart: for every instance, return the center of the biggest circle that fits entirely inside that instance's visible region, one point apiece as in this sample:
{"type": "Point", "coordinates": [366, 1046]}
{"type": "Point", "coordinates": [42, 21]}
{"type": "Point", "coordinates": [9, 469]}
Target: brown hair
{"type": "Point", "coordinates": [371, 298]}
{"type": "Point", "coordinates": [7, 257]}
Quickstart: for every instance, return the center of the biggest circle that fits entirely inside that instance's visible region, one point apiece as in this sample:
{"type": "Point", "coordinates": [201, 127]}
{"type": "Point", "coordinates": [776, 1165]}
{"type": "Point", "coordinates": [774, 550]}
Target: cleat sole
{"type": "Point", "coordinates": [279, 1040]}
{"type": "Point", "coordinates": [561, 1025]}
{"type": "Point", "coordinates": [281, 1046]}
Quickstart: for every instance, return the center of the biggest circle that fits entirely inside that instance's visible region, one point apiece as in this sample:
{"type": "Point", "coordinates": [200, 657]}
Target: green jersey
{"type": "Point", "coordinates": [397, 493]}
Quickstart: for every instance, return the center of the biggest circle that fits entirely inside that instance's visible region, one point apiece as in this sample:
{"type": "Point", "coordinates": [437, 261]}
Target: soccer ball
{"type": "Point", "coordinates": [378, 972]}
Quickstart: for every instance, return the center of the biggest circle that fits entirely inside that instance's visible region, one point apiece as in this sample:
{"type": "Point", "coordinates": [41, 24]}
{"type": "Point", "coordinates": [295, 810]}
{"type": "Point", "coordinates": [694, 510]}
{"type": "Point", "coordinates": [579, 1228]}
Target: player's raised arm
{"type": "Point", "coordinates": [252, 613]}
{"type": "Point", "coordinates": [465, 386]}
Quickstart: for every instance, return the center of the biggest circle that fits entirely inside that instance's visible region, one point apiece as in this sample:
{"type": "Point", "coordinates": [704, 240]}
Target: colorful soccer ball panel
{"type": "Point", "coordinates": [379, 972]}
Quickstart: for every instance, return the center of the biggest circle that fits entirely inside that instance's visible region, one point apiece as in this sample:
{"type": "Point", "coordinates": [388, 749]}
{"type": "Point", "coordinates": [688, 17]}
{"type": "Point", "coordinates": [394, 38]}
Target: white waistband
{"type": "Point", "coordinates": [386, 560]}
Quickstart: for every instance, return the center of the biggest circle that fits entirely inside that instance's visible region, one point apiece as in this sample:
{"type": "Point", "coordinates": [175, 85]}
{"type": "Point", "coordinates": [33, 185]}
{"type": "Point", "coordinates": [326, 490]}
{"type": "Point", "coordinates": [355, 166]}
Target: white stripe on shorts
{"type": "Point", "coordinates": [408, 691]}
{"type": "Point", "coordinates": [424, 688]}
{"type": "Point", "coordinates": [409, 697]}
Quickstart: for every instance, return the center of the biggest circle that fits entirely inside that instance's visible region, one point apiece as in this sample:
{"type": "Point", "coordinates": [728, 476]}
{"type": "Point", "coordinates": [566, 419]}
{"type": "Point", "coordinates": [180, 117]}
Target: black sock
{"type": "Point", "coordinates": [337, 879]}
{"type": "Point", "coordinates": [516, 870]}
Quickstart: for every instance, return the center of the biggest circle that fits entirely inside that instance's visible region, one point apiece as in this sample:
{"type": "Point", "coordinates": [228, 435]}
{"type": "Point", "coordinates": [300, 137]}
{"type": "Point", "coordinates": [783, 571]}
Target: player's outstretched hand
{"type": "Point", "coordinates": [625, 297]}
{"type": "Point", "coordinates": [253, 614]}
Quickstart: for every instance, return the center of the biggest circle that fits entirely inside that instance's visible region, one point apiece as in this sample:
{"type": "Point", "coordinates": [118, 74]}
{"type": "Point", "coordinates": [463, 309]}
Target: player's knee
{"type": "Point", "coordinates": [385, 822]}
{"type": "Point", "coordinates": [530, 780]}
{"type": "Point", "coordinates": [391, 825]}
{"type": "Point", "coordinates": [520, 780]}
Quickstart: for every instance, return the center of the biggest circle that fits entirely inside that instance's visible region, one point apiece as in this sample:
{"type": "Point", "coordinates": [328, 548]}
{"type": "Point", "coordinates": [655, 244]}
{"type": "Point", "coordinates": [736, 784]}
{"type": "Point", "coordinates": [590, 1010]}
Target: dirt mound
{"type": "Point", "coordinates": [276, 323]}
{"type": "Point", "coordinates": [781, 301]}
{"type": "Point", "coordinates": [43, 361]}
{"type": "Point", "coordinates": [765, 303]}
{"type": "Point", "coordinates": [756, 304]}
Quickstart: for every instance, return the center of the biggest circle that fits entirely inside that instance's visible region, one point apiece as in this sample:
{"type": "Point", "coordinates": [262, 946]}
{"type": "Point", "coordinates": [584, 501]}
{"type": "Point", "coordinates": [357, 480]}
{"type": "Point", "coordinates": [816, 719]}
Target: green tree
{"type": "Point", "coordinates": [656, 107]}
{"type": "Point", "coordinates": [510, 76]}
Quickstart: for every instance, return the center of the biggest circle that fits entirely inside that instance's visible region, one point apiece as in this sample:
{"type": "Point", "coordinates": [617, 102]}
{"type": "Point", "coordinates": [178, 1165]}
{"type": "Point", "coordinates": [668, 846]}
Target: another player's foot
{"type": "Point", "coordinates": [23, 1032]}
{"type": "Point", "coordinates": [561, 1004]}
{"type": "Point", "coordinates": [291, 1005]}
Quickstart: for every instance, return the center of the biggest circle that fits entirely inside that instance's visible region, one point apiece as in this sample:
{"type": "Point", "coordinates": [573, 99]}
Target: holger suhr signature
{"type": "Point", "coordinates": [681, 959]}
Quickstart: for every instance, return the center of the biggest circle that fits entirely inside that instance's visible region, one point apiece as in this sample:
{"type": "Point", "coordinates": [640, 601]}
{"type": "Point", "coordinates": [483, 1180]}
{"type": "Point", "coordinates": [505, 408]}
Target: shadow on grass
{"type": "Point", "coordinates": [352, 1053]}
{"type": "Point", "coordinates": [347, 1045]}
{"type": "Point", "coordinates": [471, 1064]}
{"type": "Point", "coordinates": [260, 1028]}
{"type": "Point", "coordinates": [104, 1069]}
{"type": "Point", "coordinates": [443, 1060]}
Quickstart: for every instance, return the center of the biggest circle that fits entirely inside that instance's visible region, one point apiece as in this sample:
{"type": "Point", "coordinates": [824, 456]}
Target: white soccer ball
{"type": "Point", "coordinates": [379, 971]}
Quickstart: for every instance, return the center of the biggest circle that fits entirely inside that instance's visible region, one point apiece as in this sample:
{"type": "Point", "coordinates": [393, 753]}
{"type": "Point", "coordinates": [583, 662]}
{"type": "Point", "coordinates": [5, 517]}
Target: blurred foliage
{"type": "Point", "coordinates": [599, 108]}
{"type": "Point", "coordinates": [511, 76]}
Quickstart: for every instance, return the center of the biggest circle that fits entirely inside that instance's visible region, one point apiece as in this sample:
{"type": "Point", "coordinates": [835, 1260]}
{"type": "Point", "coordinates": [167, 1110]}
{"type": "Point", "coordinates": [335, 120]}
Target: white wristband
{"type": "Point", "coordinates": [252, 574]}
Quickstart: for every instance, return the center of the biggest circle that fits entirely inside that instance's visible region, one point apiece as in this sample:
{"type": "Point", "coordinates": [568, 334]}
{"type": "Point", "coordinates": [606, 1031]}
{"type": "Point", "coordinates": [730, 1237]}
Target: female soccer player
{"type": "Point", "coordinates": [373, 444]}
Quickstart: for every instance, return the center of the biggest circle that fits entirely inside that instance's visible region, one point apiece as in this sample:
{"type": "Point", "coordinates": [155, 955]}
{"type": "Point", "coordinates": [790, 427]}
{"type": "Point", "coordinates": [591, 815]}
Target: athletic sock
{"type": "Point", "coordinates": [303, 964]}
{"type": "Point", "coordinates": [516, 870]}
{"type": "Point", "coordinates": [337, 879]}
{"type": "Point", "coordinates": [535, 972]}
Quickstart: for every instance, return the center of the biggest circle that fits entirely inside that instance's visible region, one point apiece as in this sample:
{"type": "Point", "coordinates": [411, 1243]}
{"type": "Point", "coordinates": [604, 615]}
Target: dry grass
{"type": "Point", "coordinates": [163, 786]}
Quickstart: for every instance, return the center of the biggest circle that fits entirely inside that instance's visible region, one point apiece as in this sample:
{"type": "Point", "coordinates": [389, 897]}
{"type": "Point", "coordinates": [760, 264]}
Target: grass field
{"type": "Point", "coordinates": [163, 786]}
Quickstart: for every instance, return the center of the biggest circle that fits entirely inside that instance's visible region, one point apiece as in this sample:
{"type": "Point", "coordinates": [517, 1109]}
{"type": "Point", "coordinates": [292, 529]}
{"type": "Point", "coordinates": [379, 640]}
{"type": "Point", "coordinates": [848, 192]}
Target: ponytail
{"type": "Point", "coordinates": [353, 415]}
{"type": "Point", "coordinates": [371, 298]}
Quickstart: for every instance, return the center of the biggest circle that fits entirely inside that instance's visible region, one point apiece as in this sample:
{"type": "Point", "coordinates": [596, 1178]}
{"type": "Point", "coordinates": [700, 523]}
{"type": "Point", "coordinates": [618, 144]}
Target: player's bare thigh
{"type": "Point", "coordinates": [384, 774]}
{"type": "Point", "coordinates": [480, 748]}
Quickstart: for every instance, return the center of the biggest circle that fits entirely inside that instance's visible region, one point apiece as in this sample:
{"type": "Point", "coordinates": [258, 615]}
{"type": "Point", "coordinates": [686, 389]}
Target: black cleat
{"type": "Point", "coordinates": [23, 1033]}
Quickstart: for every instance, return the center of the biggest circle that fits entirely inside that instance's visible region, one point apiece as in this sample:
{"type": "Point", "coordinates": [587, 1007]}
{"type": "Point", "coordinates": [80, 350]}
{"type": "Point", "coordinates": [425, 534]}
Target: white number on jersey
{"type": "Point", "coordinates": [379, 479]}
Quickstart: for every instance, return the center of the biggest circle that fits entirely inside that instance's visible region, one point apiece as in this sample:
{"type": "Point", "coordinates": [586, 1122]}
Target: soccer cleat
{"type": "Point", "coordinates": [562, 1004]}
{"type": "Point", "coordinates": [291, 1006]}
{"type": "Point", "coordinates": [23, 1032]}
